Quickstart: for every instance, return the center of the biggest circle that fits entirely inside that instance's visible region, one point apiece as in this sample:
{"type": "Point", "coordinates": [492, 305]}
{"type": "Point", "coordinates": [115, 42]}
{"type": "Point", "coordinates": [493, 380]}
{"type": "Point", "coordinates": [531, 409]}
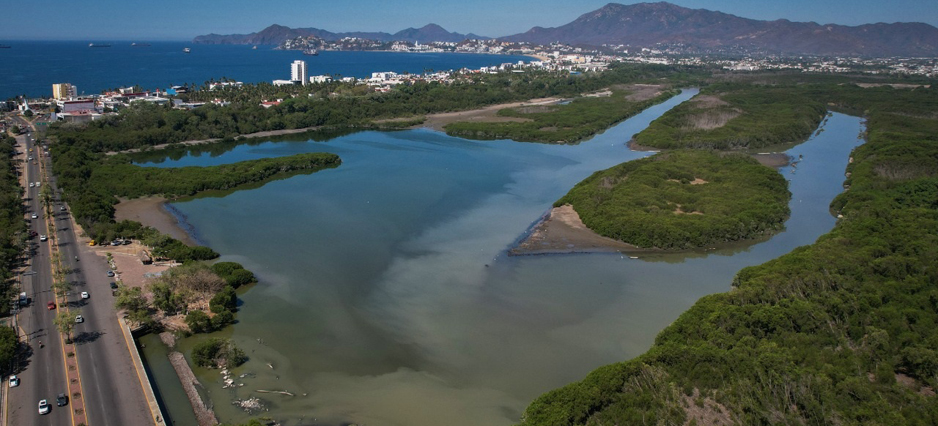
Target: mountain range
{"type": "Point", "coordinates": [655, 24]}
{"type": "Point", "coordinates": [276, 34]}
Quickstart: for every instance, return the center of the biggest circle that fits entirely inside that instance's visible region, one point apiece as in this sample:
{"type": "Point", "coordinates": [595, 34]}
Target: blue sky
{"type": "Point", "coordinates": [182, 20]}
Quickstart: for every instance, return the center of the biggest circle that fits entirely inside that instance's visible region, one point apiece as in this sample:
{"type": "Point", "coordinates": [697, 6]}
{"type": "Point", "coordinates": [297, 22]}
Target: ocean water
{"type": "Point", "coordinates": [386, 297]}
{"type": "Point", "coordinates": [30, 68]}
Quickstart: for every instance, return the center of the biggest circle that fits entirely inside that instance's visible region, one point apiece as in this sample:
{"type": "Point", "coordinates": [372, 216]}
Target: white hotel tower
{"type": "Point", "coordinates": [298, 72]}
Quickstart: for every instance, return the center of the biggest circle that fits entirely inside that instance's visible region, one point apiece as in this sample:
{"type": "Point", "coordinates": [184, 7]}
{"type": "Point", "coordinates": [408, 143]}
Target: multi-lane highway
{"type": "Point", "coordinates": [42, 371]}
{"type": "Point", "coordinates": [111, 388]}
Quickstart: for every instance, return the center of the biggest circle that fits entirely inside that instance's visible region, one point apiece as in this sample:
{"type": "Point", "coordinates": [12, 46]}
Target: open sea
{"type": "Point", "coordinates": [31, 67]}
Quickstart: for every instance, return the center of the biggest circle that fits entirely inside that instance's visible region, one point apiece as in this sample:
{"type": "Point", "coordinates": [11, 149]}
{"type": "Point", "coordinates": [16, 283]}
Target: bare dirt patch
{"type": "Point", "coordinates": [488, 114]}
{"type": "Point", "coordinates": [562, 231]}
{"type": "Point", "coordinates": [641, 92]}
{"type": "Point", "coordinates": [705, 411]}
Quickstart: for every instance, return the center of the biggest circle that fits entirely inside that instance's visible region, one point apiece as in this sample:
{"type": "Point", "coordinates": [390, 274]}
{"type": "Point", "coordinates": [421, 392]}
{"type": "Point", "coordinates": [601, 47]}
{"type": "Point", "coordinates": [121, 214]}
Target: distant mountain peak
{"type": "Point", "coordinates": [663, 23]}
{"type": "Point", "coordinates": [276, 34]}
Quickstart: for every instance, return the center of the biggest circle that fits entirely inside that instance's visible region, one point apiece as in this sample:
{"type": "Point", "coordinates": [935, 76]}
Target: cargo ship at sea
{"type": "Point", "coordinates": [139, 44]}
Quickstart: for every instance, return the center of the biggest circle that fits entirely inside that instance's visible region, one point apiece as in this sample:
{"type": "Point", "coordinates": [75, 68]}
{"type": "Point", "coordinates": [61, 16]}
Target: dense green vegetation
{"type": "Point", "coordinates": [581, 118]}
{"type": "Point", "coordinates": [120, 178]}
{"type": "Point", "coordinates": [682, 199]}
{"type": "Point", "coordinates": [12, 223]}
{"type": "Point", "coordinates": [218, 352]}
{"type": "Point", "coordinates": [844, 331]}
{"type": "Point", "coordinates": [736, 116]}
{"type": "Point", "coordinates": [336, 105]}
{"type": "Point", "coordinates": [93, 181]}
{"type": "Point", "coordinates": [12, 241]}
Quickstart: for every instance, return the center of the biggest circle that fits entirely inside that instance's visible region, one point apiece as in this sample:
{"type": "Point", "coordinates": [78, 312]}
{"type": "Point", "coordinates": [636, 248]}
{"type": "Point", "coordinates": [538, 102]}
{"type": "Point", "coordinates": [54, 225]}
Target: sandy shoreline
{"type": "Point", "coordinates": [561, 231]}
{"type": "Point", "coordinates": [151, 211]}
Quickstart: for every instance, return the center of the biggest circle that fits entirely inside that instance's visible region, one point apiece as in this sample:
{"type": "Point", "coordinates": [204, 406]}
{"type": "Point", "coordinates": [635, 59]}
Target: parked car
{"type": "Point", "coordinates": [14, 381]}
{"type": "Point", "coordinates": [113, 285]}
{"type": "Point", "coordinates": [110, 273]}
{"type": "Point", "coordinates": [85, 295]}
{"type": "Point", "coordinates": [44, 407]}
{"type": "Point", "coordinates": [62, 209]}
{"type": "Point", "coordinates": [50, 305]}
{"type": "Point", "coordinates": [79, 319]}
{"type": "Point", "coordinates": [61, 400]}
{"type": "Point", "coordinates": [43, 238]}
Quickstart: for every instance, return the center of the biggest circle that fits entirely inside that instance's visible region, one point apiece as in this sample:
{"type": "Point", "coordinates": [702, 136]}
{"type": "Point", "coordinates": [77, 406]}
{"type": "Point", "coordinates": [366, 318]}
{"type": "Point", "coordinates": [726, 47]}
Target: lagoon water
{"type": "Point", "coordinates": [31, 67]}
{"type": "Point", "coordinates": [386, 297]}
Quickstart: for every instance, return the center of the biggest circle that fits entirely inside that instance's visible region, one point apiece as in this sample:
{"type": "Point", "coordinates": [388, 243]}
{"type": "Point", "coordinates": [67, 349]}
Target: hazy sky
{"type": "Point", "coordinates": [184, 19]}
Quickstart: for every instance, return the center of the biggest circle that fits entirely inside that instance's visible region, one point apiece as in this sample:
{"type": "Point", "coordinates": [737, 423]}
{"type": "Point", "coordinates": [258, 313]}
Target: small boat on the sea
{"type": "Point", "coordinates": [254, 48]}
{"type": "Point", "coordinates": [186, 50]}
{"type": "Point", "coordinates": [98, 45]}
{"type": "Point", "coordinates": [139, 44]}
{"type": "Point", "coordinates": [4, 46]}
{"type": "Point", "coordinates": [311, 52]}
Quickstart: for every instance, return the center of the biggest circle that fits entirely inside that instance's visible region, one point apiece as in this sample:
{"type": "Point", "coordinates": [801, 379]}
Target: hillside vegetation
{"type": "Point", "coordinates": [682, 199]}
{"type": "Point", "coordinates": [844, 331]}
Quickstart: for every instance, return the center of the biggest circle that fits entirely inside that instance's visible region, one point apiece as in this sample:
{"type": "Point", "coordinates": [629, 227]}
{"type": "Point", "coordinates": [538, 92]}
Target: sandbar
{"type": "Point", "coordinates": [151, 211]}
{"type": "Point", "coordinates": [562, 231]}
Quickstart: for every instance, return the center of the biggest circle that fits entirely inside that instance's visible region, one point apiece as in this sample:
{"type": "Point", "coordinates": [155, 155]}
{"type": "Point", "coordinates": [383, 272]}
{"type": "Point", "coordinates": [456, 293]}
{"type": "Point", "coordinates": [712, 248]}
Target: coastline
{"type": "Point", "coordinates": [152, 211]}
{"type": "Point", "coordinates": [561, 231]}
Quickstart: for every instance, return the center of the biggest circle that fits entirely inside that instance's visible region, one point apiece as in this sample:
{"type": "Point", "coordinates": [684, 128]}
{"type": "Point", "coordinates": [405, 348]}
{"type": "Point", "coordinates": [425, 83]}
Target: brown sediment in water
{"type": "Point", "coordinates": [150, 211]}
{"type": "Point", "coordinates": [562, 231]}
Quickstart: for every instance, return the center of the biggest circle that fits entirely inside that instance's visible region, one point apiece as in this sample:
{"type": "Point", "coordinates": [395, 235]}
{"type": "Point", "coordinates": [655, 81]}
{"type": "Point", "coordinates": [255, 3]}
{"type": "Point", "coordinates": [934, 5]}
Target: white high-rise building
{"type": "Point", "coordinates": [298, 72]}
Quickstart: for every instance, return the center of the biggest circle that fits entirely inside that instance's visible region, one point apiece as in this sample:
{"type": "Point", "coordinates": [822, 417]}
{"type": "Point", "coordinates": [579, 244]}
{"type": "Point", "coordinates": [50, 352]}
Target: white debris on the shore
{"type": "Point", "coordinates": [249, 405]}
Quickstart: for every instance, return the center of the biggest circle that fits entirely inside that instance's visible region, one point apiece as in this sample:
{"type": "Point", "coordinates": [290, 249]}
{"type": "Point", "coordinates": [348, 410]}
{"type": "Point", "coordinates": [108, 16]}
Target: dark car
{"type": "Point", "coordinates": [61, 400]}
{"type": "Point", "coordinates": [113, 285]}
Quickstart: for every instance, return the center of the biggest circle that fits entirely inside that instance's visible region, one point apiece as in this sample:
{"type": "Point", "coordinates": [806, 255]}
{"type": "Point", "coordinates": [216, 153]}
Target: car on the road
{"type": "Point", "coordinates": [50, 305]}
{"type": "Point", "coordinates": [43, 238]}
{"type": "Point", "coordinates": [85, 295]}
{"type": "Point", "coordinates": [44, 407]}
{"type": "Point", "coordinates": [61, 400]}
{"type": "Point", "coordinates": [110, 273]}
{"type": "Point", "coordinates": [33, 234]}
{"type": "Point", "coordinates": [32, 185]}
{"type": "Point", "coordinates": [14, 381]}
{"type": "Point", "coordinates": [62, 209]}
{"type": "Point", "coordinates": [38, 184]}
{"type": "Point", "coordinates": [34, 216]}
{"type": "Point", "coordinates": [79, 319]}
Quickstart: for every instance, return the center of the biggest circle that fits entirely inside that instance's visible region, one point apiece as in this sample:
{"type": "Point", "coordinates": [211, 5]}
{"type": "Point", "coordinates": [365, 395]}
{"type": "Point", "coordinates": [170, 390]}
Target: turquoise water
{"type": "Point", "coordinates": [386, 296]}
{"type": "Point", "coordinates": [31, 67]}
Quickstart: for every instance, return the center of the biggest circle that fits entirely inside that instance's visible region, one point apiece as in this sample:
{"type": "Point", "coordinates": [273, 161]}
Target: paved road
{"type": "Point", "coordinates": [114, 393]}
{"type": "Point", "coordinates": [110, 385]}
{"type": "Point", "coordinates": [43, 370]}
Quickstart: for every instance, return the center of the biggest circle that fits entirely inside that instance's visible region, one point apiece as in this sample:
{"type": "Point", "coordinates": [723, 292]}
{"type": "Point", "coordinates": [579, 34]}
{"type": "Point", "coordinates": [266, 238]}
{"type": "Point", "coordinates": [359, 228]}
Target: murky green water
{"type": "Point", "coordinates": [386, 297]}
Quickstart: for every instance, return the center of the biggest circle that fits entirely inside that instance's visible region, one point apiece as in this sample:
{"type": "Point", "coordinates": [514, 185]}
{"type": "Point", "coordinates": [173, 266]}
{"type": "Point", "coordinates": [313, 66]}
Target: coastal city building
{"type": "Point", "coordinates": [298, 72]}
{"type": "Point", "coordinates": [64, 91]}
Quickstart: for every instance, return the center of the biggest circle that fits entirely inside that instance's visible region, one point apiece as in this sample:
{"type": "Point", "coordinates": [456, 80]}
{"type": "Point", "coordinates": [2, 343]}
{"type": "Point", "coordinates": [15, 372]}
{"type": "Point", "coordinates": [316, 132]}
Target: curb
{"type": "Point", "coordinates": [141, 374]}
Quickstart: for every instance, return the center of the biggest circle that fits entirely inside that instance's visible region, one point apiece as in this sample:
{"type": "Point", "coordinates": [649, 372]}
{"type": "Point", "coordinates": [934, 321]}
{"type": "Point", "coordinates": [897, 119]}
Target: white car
{"type": "Point", "coordinates": [14, 381]}
{"type": "Point", "coordinates": [44, 407]}
{"type": "Point", "coordinates": [32, 184]}
{"type": "Point", "coordinates": [85, 295]}
{"type": "Point", "coordinates": [79, 319]}
{"type": "Point", "coordinates": [43, 238]}
{"type": "Point", "coordinates": [38, 183]}
{"type": "Point", "coordinates": [34, 216]}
